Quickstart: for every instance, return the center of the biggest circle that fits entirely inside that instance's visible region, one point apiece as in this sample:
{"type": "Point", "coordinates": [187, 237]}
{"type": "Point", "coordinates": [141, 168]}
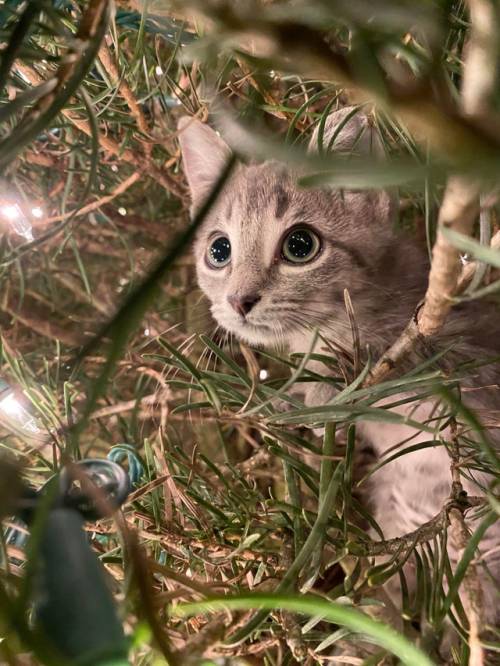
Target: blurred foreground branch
{"type": "Point", "coordinates": [460, 206]}
{"type": "Point", "coordinates": [423, 102]}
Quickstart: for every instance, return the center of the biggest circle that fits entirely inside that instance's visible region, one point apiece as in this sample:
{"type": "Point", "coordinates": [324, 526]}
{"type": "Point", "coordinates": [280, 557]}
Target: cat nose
{"type": "Point", "coordinates": [243, 304]}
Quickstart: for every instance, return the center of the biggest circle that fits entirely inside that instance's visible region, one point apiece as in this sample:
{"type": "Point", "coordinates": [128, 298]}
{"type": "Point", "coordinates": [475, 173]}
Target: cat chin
{"type": "Point", "coordinates": [252, 334]}
{"type": "Point", "coordinates": [257, 336]}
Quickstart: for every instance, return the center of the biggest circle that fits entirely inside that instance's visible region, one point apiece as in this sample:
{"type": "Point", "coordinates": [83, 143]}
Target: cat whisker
{"type": "Point", "coordinates": [181, 308]}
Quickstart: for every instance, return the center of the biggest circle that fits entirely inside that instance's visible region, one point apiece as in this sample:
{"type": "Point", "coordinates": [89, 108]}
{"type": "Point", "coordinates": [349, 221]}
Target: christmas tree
{"type": "Point", "coordinates": [243, 540]}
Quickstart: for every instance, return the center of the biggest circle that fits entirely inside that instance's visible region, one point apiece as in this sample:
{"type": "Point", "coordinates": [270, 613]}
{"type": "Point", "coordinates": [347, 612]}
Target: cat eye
{"type": "Point", "coordinates": [300, 246]}
{"type": "Point", "coordinates": [219, 252]}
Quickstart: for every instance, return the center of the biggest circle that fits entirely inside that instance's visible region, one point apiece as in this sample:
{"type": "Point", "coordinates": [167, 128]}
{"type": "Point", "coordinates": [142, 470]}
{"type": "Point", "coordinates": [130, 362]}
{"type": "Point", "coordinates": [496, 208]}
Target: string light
{"type": "Point", "coordinates": [263, 374]}
{"type": "Point", "coordinates": [13, 214]}
{"type": "Point", "coordinates": [14, 413]}
{"type": "Point", "coordinates": [17, 216]}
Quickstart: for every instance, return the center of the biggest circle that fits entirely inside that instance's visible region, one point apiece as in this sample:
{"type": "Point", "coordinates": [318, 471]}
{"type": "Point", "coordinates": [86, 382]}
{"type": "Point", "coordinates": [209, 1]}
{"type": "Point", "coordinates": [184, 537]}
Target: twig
{"type": "Point", "coordinates": [212, 633]}
{"type": "Point", "coordinates": [143, 164]}
{"type": "Point", "coordinates": [460, 205]}
{"type": "Point", "coordinates": [94, 205]}
{"type": "Point", "coordinates": [178, 542]}
{"type": "Point", "coordinates": [472, 599]}
{"type": "Point", "coordinates": [71, 284]}
{"type": "Point", "coordinates": [422, 534]}
{"type": "Point", "coordinates": [446, 280]}
{"type": "Point", "coordinates": [459, 209]}
{"type": "Point", "coordinates": [126, 91]}
{"type": "Point", "coordinates": [128, 405]}
{"type": "Point", "coordinates": [470, 268]}
{"type": "Point", "coordinates": [481, 53]}
{"type": "Point", "coordinates": [94, 15]}
{"type": "Point", "coordinates": [460, 535]}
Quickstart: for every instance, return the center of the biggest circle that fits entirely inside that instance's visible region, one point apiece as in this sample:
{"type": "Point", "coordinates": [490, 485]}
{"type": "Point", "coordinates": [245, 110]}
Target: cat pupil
{"type": "Point", "coordinates": [300, 244]}
{"type": "Point", "coordinates": [220, 251]}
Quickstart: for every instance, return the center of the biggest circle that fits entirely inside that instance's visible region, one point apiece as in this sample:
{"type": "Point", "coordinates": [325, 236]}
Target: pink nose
{"type": "Point", "coordinates": [243, 304]}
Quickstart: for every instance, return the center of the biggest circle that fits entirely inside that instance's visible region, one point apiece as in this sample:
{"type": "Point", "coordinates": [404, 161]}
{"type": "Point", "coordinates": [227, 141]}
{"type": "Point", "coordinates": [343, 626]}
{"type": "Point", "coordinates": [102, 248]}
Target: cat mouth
{"type": "Point", "coordinates": [249, 326]}
{"type": "Point", "coordinates": [255, 333]}
{"type": "Point", "coordinates": [251, 329]}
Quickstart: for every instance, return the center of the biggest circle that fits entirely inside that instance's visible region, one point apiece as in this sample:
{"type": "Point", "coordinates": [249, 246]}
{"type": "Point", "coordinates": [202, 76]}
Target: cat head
{"type": "Point", "coordinates": [273, 258]}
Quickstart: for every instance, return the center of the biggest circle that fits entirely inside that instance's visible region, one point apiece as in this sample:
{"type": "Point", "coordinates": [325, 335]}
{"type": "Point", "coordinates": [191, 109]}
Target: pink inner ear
{"type": "Point", "coordinates": [204, 155]}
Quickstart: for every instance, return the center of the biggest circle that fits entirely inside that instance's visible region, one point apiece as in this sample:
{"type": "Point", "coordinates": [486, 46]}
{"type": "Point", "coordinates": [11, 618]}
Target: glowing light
{"type": "Point", "coordinates": [147, 331]}
{"type": "Point", "coordinates": [37, 212]}
{"type": "Point", "coordinates": [122, 211]}
{"type": "Point", "coordinates": [263, 374]}
{"type": "Point", "coordinates": [158, 70]}
{"type": "Point", "coordinates": [14, 410]}
{"type": "Point", "coordinates": [14, 215]}
{"type": "Point", "coordinates": [11, 212]}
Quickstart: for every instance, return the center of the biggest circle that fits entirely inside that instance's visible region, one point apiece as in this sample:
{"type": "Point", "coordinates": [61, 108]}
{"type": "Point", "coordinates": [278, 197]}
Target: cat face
{"type": "Point", "coordinates": [274, 259]}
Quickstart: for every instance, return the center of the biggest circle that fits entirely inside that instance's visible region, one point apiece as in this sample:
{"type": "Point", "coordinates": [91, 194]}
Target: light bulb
{"type": "Point", "coordinates": [17, 220]}
{"type": "Point", "coordinates": [11, 211]}
{"type": "Point", "coordinates": [12, 408]}
{"type": "Point", "coordinates": [263, 374]}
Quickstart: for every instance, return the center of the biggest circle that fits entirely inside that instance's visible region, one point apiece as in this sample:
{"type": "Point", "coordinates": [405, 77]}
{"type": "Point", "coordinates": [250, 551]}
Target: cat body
{"type": "Point", "coordinates": [274, 261]}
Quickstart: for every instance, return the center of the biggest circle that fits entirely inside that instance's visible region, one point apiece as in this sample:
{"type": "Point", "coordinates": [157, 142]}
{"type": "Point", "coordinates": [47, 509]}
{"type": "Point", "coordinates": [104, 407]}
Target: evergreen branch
{"type": "Point", "coordinates": [422, 103]}
{"type": "Point", "coordinates": [142, 163]}
{"type": "Point", "coordinates": [458, 212]}
{"type": "Point", "coordinates": [72, 70]}
{"type": "Point", "coordinates": [109, 64]}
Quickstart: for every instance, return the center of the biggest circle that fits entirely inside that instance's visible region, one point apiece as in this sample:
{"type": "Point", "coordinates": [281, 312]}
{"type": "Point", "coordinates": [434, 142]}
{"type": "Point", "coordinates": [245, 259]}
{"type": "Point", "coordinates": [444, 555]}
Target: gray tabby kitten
{"type": "Point", "coordinates": [274, 261]}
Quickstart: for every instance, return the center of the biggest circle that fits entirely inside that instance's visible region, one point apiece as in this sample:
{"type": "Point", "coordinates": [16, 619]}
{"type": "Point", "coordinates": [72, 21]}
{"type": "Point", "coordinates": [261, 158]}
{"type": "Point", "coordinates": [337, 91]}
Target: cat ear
{"type": "Point", "coordinates": [204, 156]}
{"type": "Point", "coordinates": [348, 131]}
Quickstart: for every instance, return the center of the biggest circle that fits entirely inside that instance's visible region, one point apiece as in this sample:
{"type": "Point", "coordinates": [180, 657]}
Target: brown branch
{"type": "Point", "coordinates": [94, 205]}
{"type": "Point", "coordinates": [460, 205]}
{"type": "Point", "coordinates": [126, 92]}
{"type": "Point", "coordinates": [129, 405]}
{"type": "Point", "coordinates": [196, 646]}
{"type": "Point", "coordinates": [458, 211]}
{"type": "Point", "coordinates": [422, 534]}
{"type": "Point", "coordinates": [176, 542]}
{"type": "Point", "coordinates": [472, 599]}
{"type": "Point", "coordinates": [142, 164]}
{"type": "Point", "coordinates": [94, 15]}
{"type": "Point", "coordinates": [472, 596]}
{"type": "Point", "coordinates": [446, 279]}
{"type": "Point", "coordinates": [481, 54]}
{"type": "Point", "coordinates": [470, 268]}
